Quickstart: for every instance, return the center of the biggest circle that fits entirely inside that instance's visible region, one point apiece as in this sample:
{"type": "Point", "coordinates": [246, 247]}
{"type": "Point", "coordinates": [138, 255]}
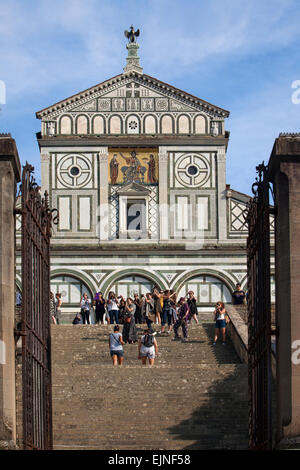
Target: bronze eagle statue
{"type": "Point", "coordinates": [131, 35]}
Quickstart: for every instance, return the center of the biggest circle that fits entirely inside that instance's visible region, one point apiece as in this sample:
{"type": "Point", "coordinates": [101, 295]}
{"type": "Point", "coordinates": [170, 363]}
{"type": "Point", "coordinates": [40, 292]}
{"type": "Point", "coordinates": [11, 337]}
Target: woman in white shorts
{"type": "Point", "coordinates": [147, 348]}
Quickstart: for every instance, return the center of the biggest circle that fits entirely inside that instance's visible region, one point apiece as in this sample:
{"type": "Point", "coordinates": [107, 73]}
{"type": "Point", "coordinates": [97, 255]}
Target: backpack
{"type": "Point", "coordinates": [148, 341]}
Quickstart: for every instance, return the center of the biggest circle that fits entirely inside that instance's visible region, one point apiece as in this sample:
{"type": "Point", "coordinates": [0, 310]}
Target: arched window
{"type": "Point", "coordinates": [150, 125]}
{"type": "Point", "coordinates": [199, 125]}
{"type": "Point", "coordinates": [82, 125]}
{"type": "Point", "coordinates": [207, 289]}
{"type": "Point", "coordinates": [133, 124]}
{"type": "Point", "coordinates": [71, 290]}
{"type": "Point", "coordinates": [115, 125]}
{"type": "Point", "coordinates": [166, 125]}
{"type": "Point", "coordinates": [183, 124]}
{"type": "Point", "coordinates": [98, 125]}
{"type": "Point", "coordinates": [66, 125]}
{"type": "Point", "coordinates": [130, 285]}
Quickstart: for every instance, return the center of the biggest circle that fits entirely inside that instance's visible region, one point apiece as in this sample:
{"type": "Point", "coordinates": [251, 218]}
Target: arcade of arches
{"type": "Point", "coordinates": [208, 290]}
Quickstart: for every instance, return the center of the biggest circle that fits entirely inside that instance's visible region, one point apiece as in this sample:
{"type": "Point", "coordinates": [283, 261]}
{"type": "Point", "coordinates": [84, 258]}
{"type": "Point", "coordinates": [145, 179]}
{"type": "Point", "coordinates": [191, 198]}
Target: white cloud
{"type": "Point", "coordinates": [47, 43]}
{"type": "Point", "coordinates": [225, 29]}
{"type": "Point", "coordinates": [254, 125]}
{"type": "Point", "coordinates": [50, 50]}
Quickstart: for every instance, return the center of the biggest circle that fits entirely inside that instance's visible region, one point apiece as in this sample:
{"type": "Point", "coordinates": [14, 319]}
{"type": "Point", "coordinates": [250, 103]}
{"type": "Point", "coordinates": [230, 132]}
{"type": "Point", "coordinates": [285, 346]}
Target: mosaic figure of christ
{"type": "Point", "coordinates": [135, 171]}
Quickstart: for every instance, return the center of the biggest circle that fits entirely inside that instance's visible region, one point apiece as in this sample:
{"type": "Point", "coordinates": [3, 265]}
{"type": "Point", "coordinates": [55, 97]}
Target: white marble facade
{"type": "Point", "coordinates": [191, 234]}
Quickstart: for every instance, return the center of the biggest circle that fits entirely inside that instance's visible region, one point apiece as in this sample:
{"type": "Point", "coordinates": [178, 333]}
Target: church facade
{"type": "Point", "coordinates": [137, 170]}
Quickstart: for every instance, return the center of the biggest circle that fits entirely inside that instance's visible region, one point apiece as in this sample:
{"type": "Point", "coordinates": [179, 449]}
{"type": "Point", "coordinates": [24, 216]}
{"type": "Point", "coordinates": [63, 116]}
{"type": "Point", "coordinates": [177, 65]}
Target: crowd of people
{"type": "Point", "coordinates": [157, 307]}
{"type": "Point", "coordinates": [160, 307]}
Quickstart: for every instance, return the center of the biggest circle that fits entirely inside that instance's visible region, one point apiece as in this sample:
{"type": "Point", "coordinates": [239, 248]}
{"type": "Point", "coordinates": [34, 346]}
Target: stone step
{"type": "Point", "coordinates": [98, 406]}
{"type": "Point", "coordinates": [155, 446]}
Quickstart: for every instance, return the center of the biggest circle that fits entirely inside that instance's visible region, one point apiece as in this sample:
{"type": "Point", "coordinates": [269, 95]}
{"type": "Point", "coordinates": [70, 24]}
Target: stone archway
{"type": "Point", "coordinates": [71, 286]}
{"type": "Point", "coordinates": [148, 276]}
{"type": "Point", "coordinates": [209, 287]}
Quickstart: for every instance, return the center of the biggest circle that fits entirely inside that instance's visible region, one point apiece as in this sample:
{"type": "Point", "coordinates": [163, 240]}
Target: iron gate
{"type": "Point", "coordinates": [36, 348]}
{"type": "Point", "coordinates": [259, 314]}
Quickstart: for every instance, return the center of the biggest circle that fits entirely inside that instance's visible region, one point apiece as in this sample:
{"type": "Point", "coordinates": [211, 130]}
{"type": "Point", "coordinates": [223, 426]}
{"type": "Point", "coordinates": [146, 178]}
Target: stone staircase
{"type": "Point", "coordinates": [194, 397]}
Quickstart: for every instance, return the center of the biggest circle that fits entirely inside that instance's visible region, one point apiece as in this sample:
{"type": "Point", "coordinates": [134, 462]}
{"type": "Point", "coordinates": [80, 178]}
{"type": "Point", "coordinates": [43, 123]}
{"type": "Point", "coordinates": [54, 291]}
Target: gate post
{"type": "Point", "coordinates": [9, 175]}
{"type": "Point", "coordinates": [284, 172]}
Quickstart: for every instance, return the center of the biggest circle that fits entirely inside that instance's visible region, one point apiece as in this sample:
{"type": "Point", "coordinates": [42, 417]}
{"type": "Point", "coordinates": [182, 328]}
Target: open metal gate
{"type": "Point", "coordinates": [36, 351]}
{"type": "Point", "coordinates": [259, 314]}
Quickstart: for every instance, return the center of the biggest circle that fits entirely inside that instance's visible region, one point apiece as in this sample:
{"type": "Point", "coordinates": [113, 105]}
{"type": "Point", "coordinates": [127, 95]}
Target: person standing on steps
{"type": "Point", "coordinates": [238, 296]}
{"type": "Point", "coordinates": [99, 303]}
{"type": "Point", "coordinates": [122, 309]}
{"type": "Point", "coordinates": [113, 308]}
{"type": "Point", "coordinates": [156, 296]}
{"type": "Point", "coordinates": [116, 346]}
{"type": "Point", "coordinates": [138, 309]}
{"type": "Point", "coordinates": [52, 308]}
{"type": "Point", "coordinates": [167, 312]}
{"type": "Point", "coordinates": [173, 311]}
{"type": "Point", "coordinates": [129, 329]}
{"type": "Point", "coordinates": [182, 319]}
{"type": "Point", "coordinates": [192, 303]}
{"type": "Point", "coordinates": [220, 319]}
{"type": "Point", "coordinates": [85, 306]}
{"type": "Point", "coordinates": [147, 347]}
{"type": "Point", "coordinates": [58, 303]}
{"type": "Point", "coordinates": [148, 310]}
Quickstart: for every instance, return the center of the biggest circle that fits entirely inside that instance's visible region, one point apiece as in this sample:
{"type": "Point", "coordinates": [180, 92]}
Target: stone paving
{"type": "Point", "coordinates": [194, 397]}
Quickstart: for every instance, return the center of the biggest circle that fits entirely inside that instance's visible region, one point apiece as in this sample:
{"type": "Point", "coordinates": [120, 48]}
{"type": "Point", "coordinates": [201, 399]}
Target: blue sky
{"type": "Point", "coordinates": [242, 56]}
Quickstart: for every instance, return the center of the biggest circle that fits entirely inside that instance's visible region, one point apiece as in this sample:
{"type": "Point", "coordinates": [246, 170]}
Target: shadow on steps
{"type": "Point", "coordinates": [222, 422]}
{"type": "Point", "coordinates": [198, 336]}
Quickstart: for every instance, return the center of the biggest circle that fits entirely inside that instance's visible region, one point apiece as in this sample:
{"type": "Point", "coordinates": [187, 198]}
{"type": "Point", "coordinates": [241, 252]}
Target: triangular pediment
{"type": "Point", "coordinates": [131, 93]}
{"type": "Point", "coordinates": [133, 189]}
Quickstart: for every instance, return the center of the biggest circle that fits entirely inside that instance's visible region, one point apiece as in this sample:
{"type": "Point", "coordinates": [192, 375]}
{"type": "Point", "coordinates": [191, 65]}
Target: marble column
{"type": "Point", "coordinates": [222, 201]}
{"type": "Point", "coordinates": [163, 160]}
{"type": "Point", "coordinates": [103, 210]}
{"type": "Point", "coordinates": [45, 162]}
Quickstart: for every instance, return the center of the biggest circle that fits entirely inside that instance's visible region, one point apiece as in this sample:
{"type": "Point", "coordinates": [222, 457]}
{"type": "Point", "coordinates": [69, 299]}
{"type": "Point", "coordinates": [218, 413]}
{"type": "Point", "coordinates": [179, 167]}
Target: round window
{"type": "Point", "coordinates": [192, 170]}
{"type": "Point", "coordinates": [132, 125]}
{"type": "Point", "coordinates": [74, 171]}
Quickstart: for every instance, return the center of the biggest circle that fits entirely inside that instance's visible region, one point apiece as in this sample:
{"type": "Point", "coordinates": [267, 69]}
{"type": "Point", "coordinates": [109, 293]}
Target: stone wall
{"type": "Point", "coordinates": [237, 329]}
{"type": "Point", "coordinates": [284, 171]}
{"type": "Point", "coordinates": [9, 176]}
